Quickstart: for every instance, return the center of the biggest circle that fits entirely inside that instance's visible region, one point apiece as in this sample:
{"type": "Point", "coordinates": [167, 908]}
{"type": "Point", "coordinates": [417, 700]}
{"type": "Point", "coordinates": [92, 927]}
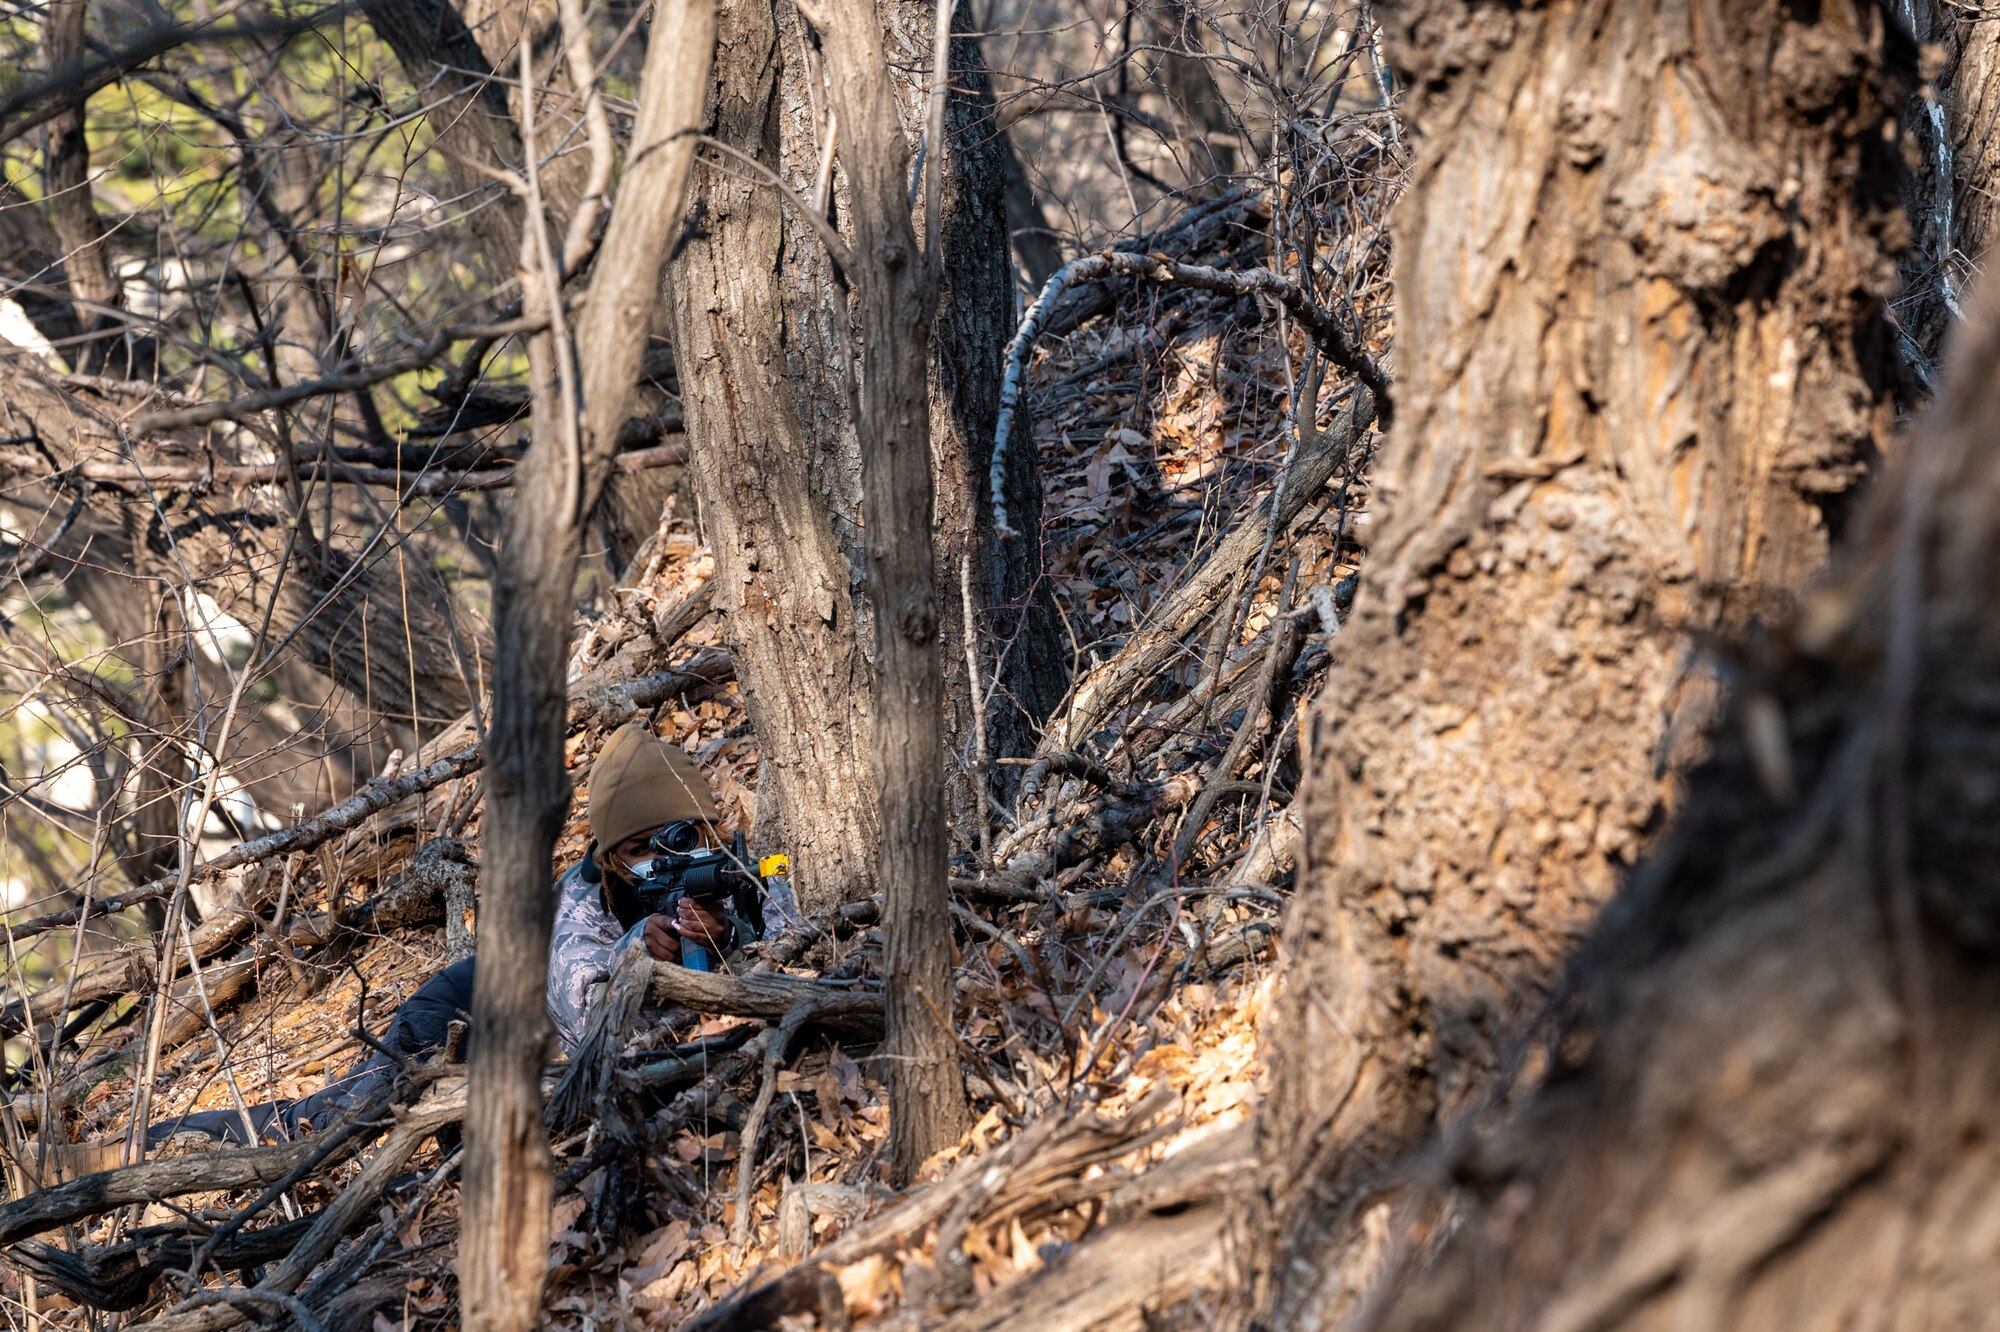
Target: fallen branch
{"type": "Point", "coordinates": [150, 1181]}
{"type": "Point", "coordinates": [1286, 639]}
{"type": "Point", "coordinates": [637, 980]}
{"type": "Point", "coordinates": [354, 1205]}
{"type": "Point", "coordinates": [614, 704]}
{"type": "Point", "coordinates": [696, 1103]}
{"type": "Point", "coordinates": [1236, 222]}
{"type": "Point", "coordinates": [753, 1126]}
{"type": "Point", "coordinates": [1054, 1147]}
{"type": "Point", "coordinates": [770, 995]}
{"type": "Point", "coordinates": [794, 940]}
{"type": "Point", "coordinates": [119, 1277]}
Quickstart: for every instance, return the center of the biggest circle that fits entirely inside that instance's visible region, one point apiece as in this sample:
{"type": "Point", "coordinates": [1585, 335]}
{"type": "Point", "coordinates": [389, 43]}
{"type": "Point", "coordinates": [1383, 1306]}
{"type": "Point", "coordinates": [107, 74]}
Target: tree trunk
{"type": "Point", "coordinates": [783, 580]}
{"type": "Point", "coordinates": [896, 287]}
{"type": "Point", "coordinates": [764, 336]}
{"type": "Point", "coordinates": [71, 207]}
{"type": "Point", "coordinates": [1975, 140]}
{"type": "Point", "coordinates": [1640, 269]}
{"type": "Point", "coordinates": [580, 395]}
{"type": "Point", "coordinates": [503, 1256]}
{"type": "Point", "coordinates": [1015, 621]}
{"type": "Point", "coordinates": [31, 261]}
{"type": "Point", "coordinates": [1774, 1102]}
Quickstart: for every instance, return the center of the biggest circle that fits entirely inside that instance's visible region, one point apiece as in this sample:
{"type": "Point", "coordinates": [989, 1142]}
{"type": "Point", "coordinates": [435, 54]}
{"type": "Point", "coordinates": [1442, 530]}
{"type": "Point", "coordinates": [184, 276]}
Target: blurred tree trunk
{"type": "Point", "coordinates": [767, 346]}
{"type": "Point", "coordinates": [1640, 272]}
{"type": "Point", "coordinates": [1774, 1103]}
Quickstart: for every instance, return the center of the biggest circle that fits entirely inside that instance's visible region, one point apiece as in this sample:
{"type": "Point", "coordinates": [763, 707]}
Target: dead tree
{"type": "Point", "coordinates": [1641, 363]}
{"type": "Point", "coordinates": [581, 392]}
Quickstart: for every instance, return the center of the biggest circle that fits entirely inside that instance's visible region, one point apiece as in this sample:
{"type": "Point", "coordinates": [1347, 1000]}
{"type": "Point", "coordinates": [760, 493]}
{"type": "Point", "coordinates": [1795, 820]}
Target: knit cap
{"type": "Point", "coordinates": [641, 782]}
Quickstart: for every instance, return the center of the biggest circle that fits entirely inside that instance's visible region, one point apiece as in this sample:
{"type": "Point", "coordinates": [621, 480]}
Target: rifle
{"type": "Point", "coordinates": [719, 880]}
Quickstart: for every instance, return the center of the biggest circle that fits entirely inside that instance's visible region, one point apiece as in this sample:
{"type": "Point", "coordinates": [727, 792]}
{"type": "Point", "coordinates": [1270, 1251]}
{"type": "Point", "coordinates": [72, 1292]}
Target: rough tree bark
{"type": "Point", "coordinates": [896, 286]}
{"type": "Point", "coordinates": [1772, 1104]}
{"type": "Point", "coordinates": [581, 394]}
{"type": "Point", "coordinates": [1975, 138]}
{"type": "Point", "coordinates": [1640, 268]}
{"type": "Point", "coordinates": [784, 583]}
{"type": "Point", "coordinates": [764, 338]}
{"type": "Point", "coordinates": [1016, 621]}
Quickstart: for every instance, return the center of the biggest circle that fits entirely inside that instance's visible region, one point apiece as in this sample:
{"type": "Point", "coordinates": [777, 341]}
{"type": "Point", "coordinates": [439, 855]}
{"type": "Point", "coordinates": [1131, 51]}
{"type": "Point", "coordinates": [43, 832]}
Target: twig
{"type": "Point", "coordinates": [288, 1304]}
{"type": "Point", "coordinates": [372, 799]}
{"type": "Point", "coordinates": [347, 381]}
{"type": "Point", "coordinates": [835, 243]}
{"type": "Point", "coordinates": [356, 1201]}
{"type": "Point", "coordinates": [344, 817]}
{"type": "Point", "coordinates": [1286, 638]}
{"type": "Point", "coordinates": [981, 777]}
{"type": "Point", "coordinates": [1054, 1147]}
{"type": "Point", "coordinates": [753, 1126]}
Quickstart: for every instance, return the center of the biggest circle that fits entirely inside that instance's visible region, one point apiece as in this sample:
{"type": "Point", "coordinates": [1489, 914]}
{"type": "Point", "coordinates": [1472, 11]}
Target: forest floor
{"type": "Point", "coordinates": [1097, 966]}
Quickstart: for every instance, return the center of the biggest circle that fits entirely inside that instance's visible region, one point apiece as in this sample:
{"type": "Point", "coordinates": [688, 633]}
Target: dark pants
{"type": "Point", "coordinates": [417, 1030]}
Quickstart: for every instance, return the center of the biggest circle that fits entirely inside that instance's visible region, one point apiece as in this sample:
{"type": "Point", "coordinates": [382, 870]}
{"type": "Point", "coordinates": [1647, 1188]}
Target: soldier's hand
{"type": "Point", "coordinates": [661, 940]}
{"type": "Point", "coordinates": [695, 921]}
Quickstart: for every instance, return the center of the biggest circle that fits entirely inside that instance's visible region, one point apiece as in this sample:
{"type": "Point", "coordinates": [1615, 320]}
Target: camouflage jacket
{"type": "Point", "coordinates": [588, 939]}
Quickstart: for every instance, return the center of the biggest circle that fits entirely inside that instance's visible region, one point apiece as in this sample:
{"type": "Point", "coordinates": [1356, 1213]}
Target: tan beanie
{"type": "Point", "coordinates": [640, 782]}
